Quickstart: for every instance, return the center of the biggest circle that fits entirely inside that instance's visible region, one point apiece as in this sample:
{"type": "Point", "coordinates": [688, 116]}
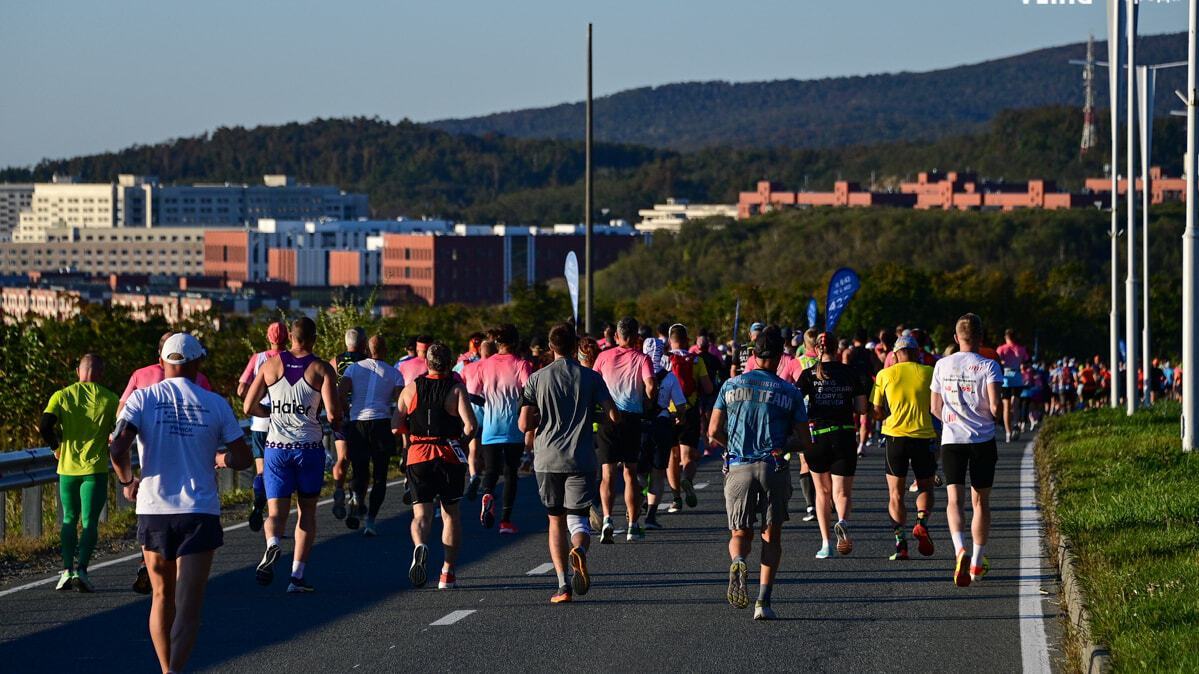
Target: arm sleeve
{"type": "Point", "coordinates": [128, 388]}
{"type": "Point", "coordinates": [247, 375]}
{"type": "Point", "coordinates": [647, 370]}
{"type": "Point", "coordinates": [48, 429]}
{"type": "Point", "coordinates": [54, 405]}
{"type": "Point", "coordinates": [528, 395]}
{"type": "Point", "coordinates": [994, 373]}
{"type": "Point", "coordinates": [719, 404]}
{"type": "Point", "coordinates": [132, 411]}
{"type": "Point", "coordinates": [876, 396]}
{"type": "Point", "coordinates": [936, 380]}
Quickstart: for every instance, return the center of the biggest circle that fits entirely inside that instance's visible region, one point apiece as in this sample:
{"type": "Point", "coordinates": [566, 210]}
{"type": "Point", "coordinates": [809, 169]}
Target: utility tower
{"type": "Point", "coordinates": [1090, 131]}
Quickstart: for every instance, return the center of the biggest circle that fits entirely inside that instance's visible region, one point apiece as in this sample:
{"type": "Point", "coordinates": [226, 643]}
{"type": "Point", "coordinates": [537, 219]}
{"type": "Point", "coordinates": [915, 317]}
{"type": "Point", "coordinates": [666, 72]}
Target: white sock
{"type": "Point", "coordinates": [273, 540]}
{"type": "Point", "coordinates": [447, 568]}
{"type": "Point", "coordinates": [959, 542]}
{"type": "Point", "coordinates": [297, 569]}
{"type": "Point", "coordinates": [561, 578]}
{"type": "Point", "coordinates": [977, 558]}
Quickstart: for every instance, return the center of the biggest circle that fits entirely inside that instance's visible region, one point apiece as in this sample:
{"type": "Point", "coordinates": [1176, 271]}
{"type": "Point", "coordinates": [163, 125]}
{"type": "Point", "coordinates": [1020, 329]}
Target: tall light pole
{"type": "Point", "coordinates": [1115, 22]}
{"type": "Point", "coordinates": [1190, 248]}
{"type": "Point", "coordinates": [1132, 336]}
{"type": "Point", "coordinates": [589, 296]}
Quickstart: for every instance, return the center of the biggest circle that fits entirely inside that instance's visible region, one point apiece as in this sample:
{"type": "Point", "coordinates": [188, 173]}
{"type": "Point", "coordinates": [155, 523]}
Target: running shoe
{"type": "Point", "coordinates": [689, 493]}
{"type": "Point", "coordinates": [580, 582]}
{"type": "Point", "coordinates": [472, 488]}
{"type": "Point", "coordinates": [339, 504]}
{"type": "Point", "coordinates": [901, 551]}
{"type": "Point", "coordinates": [141, 584]}
{"type": "Point", "coordinates": [825, 552]}
{"type": "Point", "coordinates": [738, 595]}
{"type": "Point", "coordinates": [562, 596]}
{"type": "Point", "coordinates": [961, 572]}
{"type": "Point", "coordinates": [65, 582]}
{"type": "Point", "coordinates": [369, 530]}
{"type": "Point", "coordinates": [607, 532]}
{"type": "Point", "coordinates": [265, 572]}
{"type": "Point", "coordinates": [810, 515]}
{"type": "Point", "coordinates": [914, 488]}
{"type": "Point", "coordinates": [447, 581]}
{"type": "Point", "coordinates": [861, 449]}
{"type": "Point", "coordinates": [635, 533]}
{"type": "Point", "coordinates": [762, 611]}
{"type": "Point", "coordinates": [487, 512]}
{"type": "Point", "coordinates": [299, 586]}
{"type": "Point", "coordinates": [416, 573]}
{"type": "Point", "coordinates": [977, 572]}
{"type": "Point", "coordinates": [938, 481]}
{"type": "Point", "coordinates": [924, 542]}
{"type": "Point", "coordinates": [594, 519]}
{"type": "Point", "coordinates": [255, 519]}
{"type": "Point", "coordinates": [676, 505]}
{"type": "Point", "coordinates": [508, 528]}
{"type": "Point", "coordinates": [83, 583]}
{"type": "Point", "coordinates": [844, 542]}
{"type": "Point", "coordinates": [652, 525]}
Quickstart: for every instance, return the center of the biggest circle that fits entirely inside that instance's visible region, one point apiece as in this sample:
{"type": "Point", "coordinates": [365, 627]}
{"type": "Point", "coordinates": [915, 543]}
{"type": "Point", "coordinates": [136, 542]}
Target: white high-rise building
{"type": "Point", "coordinates": [14, 198]}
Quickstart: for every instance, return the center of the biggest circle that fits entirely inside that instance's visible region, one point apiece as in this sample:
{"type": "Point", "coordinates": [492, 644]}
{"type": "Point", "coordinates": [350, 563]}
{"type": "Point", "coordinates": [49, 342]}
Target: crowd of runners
{"type": "Point", "coordinates": [613, 427]}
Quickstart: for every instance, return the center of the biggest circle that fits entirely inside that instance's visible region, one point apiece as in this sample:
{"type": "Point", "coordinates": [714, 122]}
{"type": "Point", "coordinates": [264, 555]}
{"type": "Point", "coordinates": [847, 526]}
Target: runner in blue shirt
{"type": "Point", "coordinates": [758, 417]}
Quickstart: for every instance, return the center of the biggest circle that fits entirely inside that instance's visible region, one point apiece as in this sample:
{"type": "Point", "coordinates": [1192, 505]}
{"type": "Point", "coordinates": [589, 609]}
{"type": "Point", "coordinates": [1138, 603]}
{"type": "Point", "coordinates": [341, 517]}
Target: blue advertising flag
{"type": "Point", "coordinates": [812, 312]}
{"type": "Point", "coordinates": [841, 289]}
{"type": "Point", "coordinates": [572, 282]}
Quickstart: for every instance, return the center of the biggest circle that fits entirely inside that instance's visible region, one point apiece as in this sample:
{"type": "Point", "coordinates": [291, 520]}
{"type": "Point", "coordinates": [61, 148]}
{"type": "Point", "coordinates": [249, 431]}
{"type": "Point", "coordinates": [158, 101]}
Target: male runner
{"type": "Point", "coordinates": [654, 347]}
{"type": "Point", "coordinates": [501, 380]}
{"type": "Point", "coordinates": [658, 448]}
{"type": "Point", "coordinates": [144, 378]}
{"type": "Point", "coordinates": [835, 392]}
{"type": "Point", "coordinates": [692, 374]}
{"type": "Point", "coordinates": [865, 364]}
{"type": "Point", "coordinates": [789, 369]}
{"type": "Point", "coordinates": [75, 425]}
{"type": "Point", "coordinates": [472, 355]}
{"type": "Point", "coordinates": [629, 377]}
{"type": "Point", "coordinates": [1012, 358]}
{"type": "Point", "coordinates": [965, 397]}
{"type": "Point", "coordinates": [411, 368]}
{"type": "Point", "coordinates": [370, 384]}
{"type": "Point", "coordinates": [758, 417]}
{"type": "Point", "coordinates": [434, 411]}
{"type": "Point", "coordinates": [559, 403]}
{"type": "Point", "coordinates": [178, 507]}
{"type": "Point", "coordinates": [409, 352]}
{"type": "Point", "coordinates": [902, 401]}
{"type": "Point", "coordinates": [744, 352]}
{"type": "Point", "coordinates": [355, 351]}
{"type": "Point", "coordinates": [276, 337]}
{"type": "Point", "coordinates": [298, 383]}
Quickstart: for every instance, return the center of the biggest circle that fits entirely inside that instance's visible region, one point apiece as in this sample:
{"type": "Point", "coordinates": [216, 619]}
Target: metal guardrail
{"type": "Point", "coordinates": [30, 470]}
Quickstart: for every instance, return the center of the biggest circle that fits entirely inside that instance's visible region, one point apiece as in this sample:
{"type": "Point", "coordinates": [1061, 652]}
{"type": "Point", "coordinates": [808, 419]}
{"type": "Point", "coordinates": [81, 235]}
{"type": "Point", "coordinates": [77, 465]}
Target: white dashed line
{"type": "Point", "coordinates": [541, 570]}
{"type": "Point", "coordinates": [451, 618]}
{"type": "Point", "coordinates": [701, 485]}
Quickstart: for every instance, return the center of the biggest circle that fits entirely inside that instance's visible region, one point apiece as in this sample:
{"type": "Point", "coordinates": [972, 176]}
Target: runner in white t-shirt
{"type": "Point", "coordinates": [372, 385]}
{"type": "Point", "coordinates": [966, 398]}
{"type": "Point", "coordinates": [179, 427]}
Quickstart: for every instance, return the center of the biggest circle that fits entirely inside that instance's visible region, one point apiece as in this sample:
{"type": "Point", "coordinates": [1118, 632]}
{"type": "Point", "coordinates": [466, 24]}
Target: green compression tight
{"type": "Point", "coordinates": [83, 497]}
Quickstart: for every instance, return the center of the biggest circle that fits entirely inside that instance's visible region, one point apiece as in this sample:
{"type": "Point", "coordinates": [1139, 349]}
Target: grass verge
{"type": "Point", "coordinates": [1128, 499]}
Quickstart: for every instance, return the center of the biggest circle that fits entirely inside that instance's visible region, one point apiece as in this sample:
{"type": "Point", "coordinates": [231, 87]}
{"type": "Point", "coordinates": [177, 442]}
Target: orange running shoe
{"type": "Point", "coordinates": [961, 573]}
{"type": "Point", "coordinates": [923, 540]}
{"type": "Point", "coordinates": [562, 596]}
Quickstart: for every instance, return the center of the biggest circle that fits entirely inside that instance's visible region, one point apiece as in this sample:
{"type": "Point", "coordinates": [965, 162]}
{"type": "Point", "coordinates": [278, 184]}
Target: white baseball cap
{"type": "Point", "coordinates": [182, 348]}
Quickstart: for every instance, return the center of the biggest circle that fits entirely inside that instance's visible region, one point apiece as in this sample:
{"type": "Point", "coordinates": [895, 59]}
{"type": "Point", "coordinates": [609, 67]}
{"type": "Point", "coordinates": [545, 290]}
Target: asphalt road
{"type": "Point", "coordinates": [654, 605]}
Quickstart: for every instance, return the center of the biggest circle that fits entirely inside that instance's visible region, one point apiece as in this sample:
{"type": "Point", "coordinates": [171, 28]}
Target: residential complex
{"type": "Point", "coordinates": [14, 198]}
{"type": "Point", "coordinates": [671, 215]}
{"type": "Point", "coordinates": [140, 201]}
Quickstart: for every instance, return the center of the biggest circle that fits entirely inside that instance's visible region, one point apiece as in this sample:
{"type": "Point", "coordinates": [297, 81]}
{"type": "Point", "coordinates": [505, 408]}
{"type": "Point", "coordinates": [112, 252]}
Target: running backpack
{"type": "Point", "coordinates": [683, 367]}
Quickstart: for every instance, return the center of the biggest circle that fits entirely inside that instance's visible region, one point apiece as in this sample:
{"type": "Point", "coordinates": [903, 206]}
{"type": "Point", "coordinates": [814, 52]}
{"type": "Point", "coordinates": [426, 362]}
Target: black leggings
{"type": "Point", "coordinates": [506, 457]}
{"type": "Point", "coordinates": [370, 442]}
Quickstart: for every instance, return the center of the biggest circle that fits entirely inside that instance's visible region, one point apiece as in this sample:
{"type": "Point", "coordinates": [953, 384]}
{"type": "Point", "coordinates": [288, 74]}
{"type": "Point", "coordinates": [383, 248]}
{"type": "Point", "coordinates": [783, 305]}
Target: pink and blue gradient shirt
{"type": "Point", "coordinates": [624, 371]}
{"type": "Point", "coordinates": [500, 380]}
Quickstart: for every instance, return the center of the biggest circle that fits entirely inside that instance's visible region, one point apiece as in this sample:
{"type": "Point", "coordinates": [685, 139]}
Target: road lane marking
{"type": "Point", "coordinates": [138, 555]}
{"type": "Point", "coordinates": [1034, 647]}
{"type": "Point", "coordinates": [701, 485]}
{"type": "Point", "coordinates": [452, 618]}
{"type": "Point", "coordinates": [541, 570]}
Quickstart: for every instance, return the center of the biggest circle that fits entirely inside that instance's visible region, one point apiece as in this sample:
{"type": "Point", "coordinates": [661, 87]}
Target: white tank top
{"type": "Point", "coordinates": [294, 407]}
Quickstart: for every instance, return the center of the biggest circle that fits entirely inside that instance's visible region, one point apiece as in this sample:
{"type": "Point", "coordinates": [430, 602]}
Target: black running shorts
{"type": "Point", "coordinates": [175, 536]}
{"type": "Point", "coordinates": [915, 451]}
{"type": "Point", "coordinates": [977, 458]}
{"type": "Point", "coordinates": [834, 452]}
{"type": "Point", "coordinates": [619, 442]}
{"type": "Point", "coordinates": [436, 479]}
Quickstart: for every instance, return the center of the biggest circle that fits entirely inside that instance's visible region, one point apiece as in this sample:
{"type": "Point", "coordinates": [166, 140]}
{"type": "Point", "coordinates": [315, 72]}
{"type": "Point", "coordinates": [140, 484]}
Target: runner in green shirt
{"type": "Point", "coordinates": [76, 425]}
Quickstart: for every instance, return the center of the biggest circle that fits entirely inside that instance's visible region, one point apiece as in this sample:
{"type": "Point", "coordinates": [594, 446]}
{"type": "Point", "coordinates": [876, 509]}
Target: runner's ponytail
{"type": "Point", "coordinates": [822, 347]}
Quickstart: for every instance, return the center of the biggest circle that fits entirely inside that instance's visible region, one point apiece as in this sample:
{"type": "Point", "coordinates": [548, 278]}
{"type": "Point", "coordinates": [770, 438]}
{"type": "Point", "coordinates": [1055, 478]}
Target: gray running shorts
{"type": "Point", "coordinates": [756, 489]}
{"type": "Point", "coordinates": [566, 492]}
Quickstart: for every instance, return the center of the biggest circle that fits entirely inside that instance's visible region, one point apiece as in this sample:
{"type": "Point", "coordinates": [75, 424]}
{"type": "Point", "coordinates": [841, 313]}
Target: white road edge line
{"type": "Point", "coordinates": [452, 618]}
{"type": "Point", "coordinates": [137, 555]}
{"type": "Point", "coordinates": [1034, 646]}
{"type": "Point", "coordinates": [540, 570]}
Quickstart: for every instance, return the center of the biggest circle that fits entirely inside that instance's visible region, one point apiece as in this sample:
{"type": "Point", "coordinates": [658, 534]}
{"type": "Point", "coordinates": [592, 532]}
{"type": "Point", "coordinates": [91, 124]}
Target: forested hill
{"type": "Point", "coordinates": [416, 170]}
{"type": "Point", "coordinates": [835, 111]}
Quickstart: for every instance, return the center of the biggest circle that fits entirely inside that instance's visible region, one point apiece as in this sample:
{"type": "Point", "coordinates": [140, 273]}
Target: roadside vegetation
{"type": "Point", "coordinates": [1128, 499]}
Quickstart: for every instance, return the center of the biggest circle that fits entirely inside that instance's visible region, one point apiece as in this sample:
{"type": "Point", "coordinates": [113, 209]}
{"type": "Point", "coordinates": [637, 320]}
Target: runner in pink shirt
{"type": "Point", "coordinates": [152, 374]}
{"type": "Point", "coordinates": [1012, 357]}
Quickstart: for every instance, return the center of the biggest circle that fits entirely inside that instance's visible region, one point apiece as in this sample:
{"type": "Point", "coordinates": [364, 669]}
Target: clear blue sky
{"type": "Point", "coordinates": [86, 76]}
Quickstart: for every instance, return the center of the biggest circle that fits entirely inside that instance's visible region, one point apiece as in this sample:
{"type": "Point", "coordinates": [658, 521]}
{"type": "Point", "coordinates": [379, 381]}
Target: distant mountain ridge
{"type": "Point", "coordinates": [833, 112]}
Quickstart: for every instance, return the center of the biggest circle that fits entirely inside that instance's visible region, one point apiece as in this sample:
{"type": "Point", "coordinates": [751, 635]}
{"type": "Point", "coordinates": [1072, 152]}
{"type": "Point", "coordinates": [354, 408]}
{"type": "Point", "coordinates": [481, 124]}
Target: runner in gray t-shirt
{"type": "Point", "coordinates": [558, 404]}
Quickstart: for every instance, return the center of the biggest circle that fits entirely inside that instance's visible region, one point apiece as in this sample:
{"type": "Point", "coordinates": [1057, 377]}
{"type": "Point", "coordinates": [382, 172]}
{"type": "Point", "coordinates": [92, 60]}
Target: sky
{"type": "Point", "coordinates": [83, 76]}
